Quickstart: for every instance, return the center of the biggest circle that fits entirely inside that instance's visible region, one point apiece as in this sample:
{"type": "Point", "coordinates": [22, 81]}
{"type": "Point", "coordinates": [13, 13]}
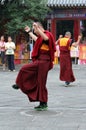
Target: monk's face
{"type": "Point", "coordinates": [69, 36]}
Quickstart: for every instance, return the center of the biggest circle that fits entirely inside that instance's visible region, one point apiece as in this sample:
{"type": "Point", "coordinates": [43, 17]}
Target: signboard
{"type": "Point", "coordinates": [62, 13]}
{"type": "Point", "coordinates": [74, 51]}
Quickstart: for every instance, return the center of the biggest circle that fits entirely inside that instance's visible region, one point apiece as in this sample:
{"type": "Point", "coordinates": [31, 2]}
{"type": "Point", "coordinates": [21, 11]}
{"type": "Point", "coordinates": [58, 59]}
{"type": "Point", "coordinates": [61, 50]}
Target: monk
{"type": "Point", "coordinates": [66, 72]}
{"type": "Point", "coordinates": [32, 77]}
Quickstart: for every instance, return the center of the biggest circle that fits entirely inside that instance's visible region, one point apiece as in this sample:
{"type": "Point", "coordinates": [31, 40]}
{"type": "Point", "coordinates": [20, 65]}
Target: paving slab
{"type": "Point", "coordinates": [66, 105]}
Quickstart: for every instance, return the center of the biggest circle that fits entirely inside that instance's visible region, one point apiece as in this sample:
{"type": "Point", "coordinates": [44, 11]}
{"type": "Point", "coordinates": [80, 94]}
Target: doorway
{"type": "Point", "coordinates": [64, 25]}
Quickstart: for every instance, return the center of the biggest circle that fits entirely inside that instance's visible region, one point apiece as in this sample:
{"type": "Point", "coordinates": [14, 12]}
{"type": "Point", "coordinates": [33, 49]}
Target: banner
{"type": "Point", "coordinates": [82, 54]}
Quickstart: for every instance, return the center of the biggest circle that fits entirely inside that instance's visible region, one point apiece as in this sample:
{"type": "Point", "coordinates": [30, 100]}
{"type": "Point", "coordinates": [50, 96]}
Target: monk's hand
{"type": "Point", "coordinates": [79, 37]}
{"type": "Point", "coordinates": [27, 29]}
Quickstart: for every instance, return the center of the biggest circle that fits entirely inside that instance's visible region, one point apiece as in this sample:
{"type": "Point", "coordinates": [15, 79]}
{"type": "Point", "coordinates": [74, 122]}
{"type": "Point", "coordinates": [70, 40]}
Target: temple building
{"type": "Point", "coordinates": [67, 15]}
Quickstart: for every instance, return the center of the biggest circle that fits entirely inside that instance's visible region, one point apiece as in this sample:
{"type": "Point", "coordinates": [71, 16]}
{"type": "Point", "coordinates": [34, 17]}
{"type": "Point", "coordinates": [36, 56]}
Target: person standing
{"type": "Point", "coordinates": [10, 47]}
{"type": "Point", "coordinates": [2, 50]}
{"type": "Point", "coordinates": [32, 77]}
{"type": "Point", "coordinates": [66, 72]}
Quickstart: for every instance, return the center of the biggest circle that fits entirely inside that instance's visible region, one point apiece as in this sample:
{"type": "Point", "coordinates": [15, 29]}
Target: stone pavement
{"type": "Point", "coordinates": [67, 105]}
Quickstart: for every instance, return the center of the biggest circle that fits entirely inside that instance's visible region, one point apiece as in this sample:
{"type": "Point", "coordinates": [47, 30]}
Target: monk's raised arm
{"type": "Point", "coordinates": [75, 44]}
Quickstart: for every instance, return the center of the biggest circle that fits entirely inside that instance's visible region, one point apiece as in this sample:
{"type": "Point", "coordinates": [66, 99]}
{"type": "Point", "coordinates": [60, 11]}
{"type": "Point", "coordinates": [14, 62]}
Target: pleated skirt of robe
{"type": "Point", "coordinates": [32, 79]}
{"type": "Point", "coordinates": [66, 72]}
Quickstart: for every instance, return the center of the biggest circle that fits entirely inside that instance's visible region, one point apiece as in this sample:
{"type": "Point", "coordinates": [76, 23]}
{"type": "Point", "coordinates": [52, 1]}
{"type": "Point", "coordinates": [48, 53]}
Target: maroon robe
{"type": "Point", "coordinates": [32, 77]}
{"type": "Point", "coordinates": [66, 72]}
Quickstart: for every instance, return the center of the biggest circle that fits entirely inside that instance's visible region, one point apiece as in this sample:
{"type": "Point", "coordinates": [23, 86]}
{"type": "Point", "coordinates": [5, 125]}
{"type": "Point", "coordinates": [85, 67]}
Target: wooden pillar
{"type": "Point", "coordinates": [76, 29]}
{"type": "Point", "coordinates": [53, 27]}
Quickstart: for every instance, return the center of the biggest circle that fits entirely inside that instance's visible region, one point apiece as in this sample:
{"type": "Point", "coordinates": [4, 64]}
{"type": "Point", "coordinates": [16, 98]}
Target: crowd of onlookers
{"type": "Point", "coordinates": [7, 53]}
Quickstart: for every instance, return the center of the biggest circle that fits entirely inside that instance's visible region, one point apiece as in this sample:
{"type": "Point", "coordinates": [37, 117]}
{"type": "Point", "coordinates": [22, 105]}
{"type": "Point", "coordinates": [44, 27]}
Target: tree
{"type": "Point", "coordinates": [15, 14]}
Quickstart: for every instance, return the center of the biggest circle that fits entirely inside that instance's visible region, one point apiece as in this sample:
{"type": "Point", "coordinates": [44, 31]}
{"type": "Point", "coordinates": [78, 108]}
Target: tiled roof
{"type": "Point", "coordinates": [66, 3]}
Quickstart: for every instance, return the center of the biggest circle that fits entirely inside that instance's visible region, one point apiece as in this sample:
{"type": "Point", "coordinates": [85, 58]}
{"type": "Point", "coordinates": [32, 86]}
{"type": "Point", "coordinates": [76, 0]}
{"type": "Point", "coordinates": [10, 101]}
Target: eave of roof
{"type": "Point", "coordinates": [66, 3]}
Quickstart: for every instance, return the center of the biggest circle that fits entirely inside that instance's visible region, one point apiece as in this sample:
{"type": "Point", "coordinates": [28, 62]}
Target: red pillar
{"type": "Point", "coordinates": [76, 29]}
{"type": "Point", "coordinates": [53, 27]}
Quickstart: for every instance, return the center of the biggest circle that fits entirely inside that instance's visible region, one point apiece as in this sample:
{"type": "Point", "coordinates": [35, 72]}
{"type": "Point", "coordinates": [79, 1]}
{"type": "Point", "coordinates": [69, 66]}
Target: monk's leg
{"type": "Point", "coordinates": [42, 79]}
{"type": "Point", "coordinates": [26, 77]}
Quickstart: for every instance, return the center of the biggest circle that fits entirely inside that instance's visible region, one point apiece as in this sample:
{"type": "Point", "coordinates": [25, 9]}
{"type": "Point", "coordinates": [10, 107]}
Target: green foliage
{"type": "Point", "coordinates": [15, 14]}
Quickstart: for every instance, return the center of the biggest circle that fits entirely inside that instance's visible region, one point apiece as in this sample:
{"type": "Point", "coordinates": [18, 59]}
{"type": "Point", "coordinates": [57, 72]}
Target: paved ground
{"type": "Point", "coordinates": [67, 105]}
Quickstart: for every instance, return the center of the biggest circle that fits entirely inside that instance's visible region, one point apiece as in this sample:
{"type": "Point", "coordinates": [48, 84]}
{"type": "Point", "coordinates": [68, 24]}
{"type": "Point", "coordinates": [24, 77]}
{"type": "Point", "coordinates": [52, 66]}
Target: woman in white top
{"type": "Point", "coordinates": [10, 47]}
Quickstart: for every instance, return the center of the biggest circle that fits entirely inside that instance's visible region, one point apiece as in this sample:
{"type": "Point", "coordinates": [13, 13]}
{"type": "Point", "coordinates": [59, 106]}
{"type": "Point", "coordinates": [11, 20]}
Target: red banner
{"type": "Point", "coordinates": [82, 52]}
